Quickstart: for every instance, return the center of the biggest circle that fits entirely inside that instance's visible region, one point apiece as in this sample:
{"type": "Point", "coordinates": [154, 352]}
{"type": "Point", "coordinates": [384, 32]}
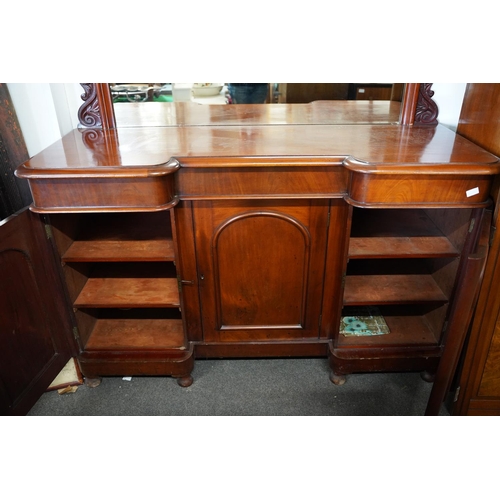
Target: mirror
{"type": "Point", "coordinates": [275, 93]}
{"type": "Point", "coordinates": [138, 106]}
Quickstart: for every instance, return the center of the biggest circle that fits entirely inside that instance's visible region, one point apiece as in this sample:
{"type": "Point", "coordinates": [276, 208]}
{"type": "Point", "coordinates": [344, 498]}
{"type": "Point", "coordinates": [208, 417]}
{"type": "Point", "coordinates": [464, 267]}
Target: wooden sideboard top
{"type": "Point", "coordinates": [146, 150]}
{"type": "Point", "coordinates": [367, 164]}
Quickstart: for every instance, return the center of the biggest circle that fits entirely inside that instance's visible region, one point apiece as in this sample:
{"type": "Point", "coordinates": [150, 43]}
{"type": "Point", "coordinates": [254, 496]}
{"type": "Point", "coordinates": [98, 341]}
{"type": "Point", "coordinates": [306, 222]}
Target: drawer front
{"type": "Point", "coordinates": [262, 182]}
{"type": "Point", "coordinates": [419, 190]}
{"type": "Point", "coordinates": [104, 194]}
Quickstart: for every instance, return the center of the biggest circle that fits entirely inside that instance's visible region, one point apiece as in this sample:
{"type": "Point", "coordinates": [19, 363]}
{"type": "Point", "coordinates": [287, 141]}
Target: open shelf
{"type": "Point", "coordinates": [146, 341]}
{"type": "Point", "coordinates": [117, 251]}
{"type": "Point", "coordinates": [131, 332]}
{"type": "Point", "coordinates": [392, 289]}
{"type": "Point", "coordinates": [122, 237]}
{"type": "Point", "coordinates": [400, 273]}
{"type": "Point", "coordinates": [136, 335]}
{"type": "Point", "coordinates": [379, 234]}
{"type": "Point", "coordinates": [121, 276]}
{"type": "Point", "coordinates": [404, 331]}
{"type": "Point", "coordinates": [132, 292]}
{"type": "Point", "coordinates": [130, 286]}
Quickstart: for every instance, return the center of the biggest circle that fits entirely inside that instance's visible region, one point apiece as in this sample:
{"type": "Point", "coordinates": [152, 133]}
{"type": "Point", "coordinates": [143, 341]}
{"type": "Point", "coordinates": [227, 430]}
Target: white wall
{"type": "Point", "coordinates": [449, 98]}
{"type": "Point", "coordinates": [67, 101]}
{"type": "Point", "coordinates": [47, 111]}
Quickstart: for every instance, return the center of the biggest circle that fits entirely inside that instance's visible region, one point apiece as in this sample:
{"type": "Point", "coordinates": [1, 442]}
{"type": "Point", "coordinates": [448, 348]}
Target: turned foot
{"type": "Point", "coordinates": [427, 376]}
{"type": "Point", "coordinates": [337, 379]}
{"type": "Point", "coordinates": [93, 382]}
{"type": "Point", "coordinates": [185, 381]}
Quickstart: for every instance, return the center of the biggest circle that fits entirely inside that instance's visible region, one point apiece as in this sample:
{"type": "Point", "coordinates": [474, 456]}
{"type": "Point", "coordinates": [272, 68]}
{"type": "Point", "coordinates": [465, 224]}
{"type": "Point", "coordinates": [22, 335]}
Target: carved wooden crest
{"type": "Point", "coordinates": [427, 111]}
{"type": "Point", "coordinates": [89, 114]}
{"type": "Point", "coordinates": [97, 110]}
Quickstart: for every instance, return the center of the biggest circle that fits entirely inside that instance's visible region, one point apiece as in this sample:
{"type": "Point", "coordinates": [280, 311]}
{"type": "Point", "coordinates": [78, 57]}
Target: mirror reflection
{"type": "Point", "coordinates": [171, 104]}
{"type": "Point", "coordinates": [254, 93]}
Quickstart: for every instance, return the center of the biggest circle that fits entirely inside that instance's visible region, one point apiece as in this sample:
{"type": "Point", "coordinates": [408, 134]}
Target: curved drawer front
{"type": "Point", "coordinates": [372, 189]}
{"type": "Point", "coordinates": [106, 189]}
{"type": "Point", "coordinates": [103, 194]}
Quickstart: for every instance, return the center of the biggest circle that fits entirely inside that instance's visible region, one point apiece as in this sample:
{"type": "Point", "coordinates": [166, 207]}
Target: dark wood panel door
{"type": "Point", "coordinates": [35, 329]}
{"type": "Point", "coordinates": [261, 266]}
{"type": "Point", "coordinates": [478, 377]}
{"type": "Point", "coordinates": [478, 391]}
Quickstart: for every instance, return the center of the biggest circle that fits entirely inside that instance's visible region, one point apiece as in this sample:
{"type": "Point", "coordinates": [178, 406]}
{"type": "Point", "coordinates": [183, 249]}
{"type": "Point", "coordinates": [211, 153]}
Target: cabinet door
{"type": "Point", "coordinates": [261, 266]}
{"type": "Point", "coordinates": [35, 329]}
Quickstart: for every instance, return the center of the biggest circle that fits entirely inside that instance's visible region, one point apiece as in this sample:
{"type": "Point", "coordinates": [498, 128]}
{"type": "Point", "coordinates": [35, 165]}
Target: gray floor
{"type": "Point", "coordinates": [247, 387]}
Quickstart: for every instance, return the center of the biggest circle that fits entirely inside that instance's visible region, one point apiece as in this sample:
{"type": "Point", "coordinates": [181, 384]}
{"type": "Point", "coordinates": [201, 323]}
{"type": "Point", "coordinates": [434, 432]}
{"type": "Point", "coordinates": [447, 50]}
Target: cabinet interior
{"type": "Point", "coordinates": [404, 263]}
{"type": "Point", "coordinates": [121, 279]}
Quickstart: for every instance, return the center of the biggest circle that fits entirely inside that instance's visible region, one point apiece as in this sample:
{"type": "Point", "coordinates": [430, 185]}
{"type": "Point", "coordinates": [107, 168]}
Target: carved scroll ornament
{"type": "Point", "coordinates": [89, 114]}
{"type": "Point", "coordinates": [427, 111]}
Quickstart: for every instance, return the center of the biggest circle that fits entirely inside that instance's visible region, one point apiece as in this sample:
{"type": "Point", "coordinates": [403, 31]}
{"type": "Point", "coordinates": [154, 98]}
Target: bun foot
{"type": "Point", "coordinates": [427, 376]}
{"type": "Point", "coordinates": [337, 379]}
{"type": "Point", "coordinates": [185, 381]}
{"type": "Point", "coordinates": [93, 382]}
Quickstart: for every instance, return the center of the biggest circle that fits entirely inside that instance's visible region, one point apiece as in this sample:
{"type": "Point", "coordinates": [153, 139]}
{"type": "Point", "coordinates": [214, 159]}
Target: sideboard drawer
{"type": "Point", "coordinates": [103, 194]}
{"type": "Point", "coordinates": [261, 182]}
{"type": "Point", "coordinates": [369, 189]}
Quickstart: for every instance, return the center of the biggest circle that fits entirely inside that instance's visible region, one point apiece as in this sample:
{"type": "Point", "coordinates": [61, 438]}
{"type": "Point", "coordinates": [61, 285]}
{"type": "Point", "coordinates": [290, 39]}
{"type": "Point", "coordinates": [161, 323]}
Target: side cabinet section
{"type": "Point", "coordinates": [122, 281]}
{"type": "Point", "coordinates": [410, 280]}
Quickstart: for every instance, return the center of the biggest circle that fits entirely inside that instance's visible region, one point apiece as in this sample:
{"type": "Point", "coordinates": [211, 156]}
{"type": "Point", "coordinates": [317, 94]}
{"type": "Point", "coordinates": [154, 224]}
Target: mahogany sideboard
{"type": "Point", "coordinates": [244, 236]}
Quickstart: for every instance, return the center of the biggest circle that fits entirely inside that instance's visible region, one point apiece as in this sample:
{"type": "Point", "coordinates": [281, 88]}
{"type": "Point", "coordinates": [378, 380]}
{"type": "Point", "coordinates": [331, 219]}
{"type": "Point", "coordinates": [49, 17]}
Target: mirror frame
{"type": "Point", "coordinates": [417, 106]}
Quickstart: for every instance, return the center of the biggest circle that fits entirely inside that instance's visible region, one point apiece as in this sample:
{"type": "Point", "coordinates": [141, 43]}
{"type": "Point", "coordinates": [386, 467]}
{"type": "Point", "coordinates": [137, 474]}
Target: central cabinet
{"type": "Point", "coordinates": [261, 266]}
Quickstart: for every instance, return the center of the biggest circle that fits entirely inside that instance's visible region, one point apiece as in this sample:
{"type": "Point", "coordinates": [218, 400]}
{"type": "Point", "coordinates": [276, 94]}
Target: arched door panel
{"type": "Point", "coordinates": [261, 268]}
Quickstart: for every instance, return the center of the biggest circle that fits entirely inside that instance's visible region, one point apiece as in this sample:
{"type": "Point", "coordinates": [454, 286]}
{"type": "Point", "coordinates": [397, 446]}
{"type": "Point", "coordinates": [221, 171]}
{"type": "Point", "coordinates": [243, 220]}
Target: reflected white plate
{"type": "Point", "coordinates": [207, 90]}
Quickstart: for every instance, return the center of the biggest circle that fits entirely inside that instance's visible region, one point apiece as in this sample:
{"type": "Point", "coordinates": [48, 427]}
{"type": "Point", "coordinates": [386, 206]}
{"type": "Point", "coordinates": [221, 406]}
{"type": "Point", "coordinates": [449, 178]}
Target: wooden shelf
{"type": "Point", "coordinates": [129, 292]}
{"type": "Point", "coordinates": [404, 330]}
{"type": "Point", "coordinates": [405, 247]}
{"type": "Point", "coordinates": [397, 234]}
{"type": "Point", "coordinates": [123, 237]}
{"type": "Point", "coordinates": [136, 335]}
{"type": "Point", "coordinates": [392, 289]}
{"type": "Point", "coordinates": [119, 251]}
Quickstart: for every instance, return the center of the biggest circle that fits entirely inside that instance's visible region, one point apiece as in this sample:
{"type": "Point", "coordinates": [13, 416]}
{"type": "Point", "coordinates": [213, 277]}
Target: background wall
{"type": "Point", "coordinates": [449, 98]}
{"type": "Point", "coordinates": [47, 111]}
